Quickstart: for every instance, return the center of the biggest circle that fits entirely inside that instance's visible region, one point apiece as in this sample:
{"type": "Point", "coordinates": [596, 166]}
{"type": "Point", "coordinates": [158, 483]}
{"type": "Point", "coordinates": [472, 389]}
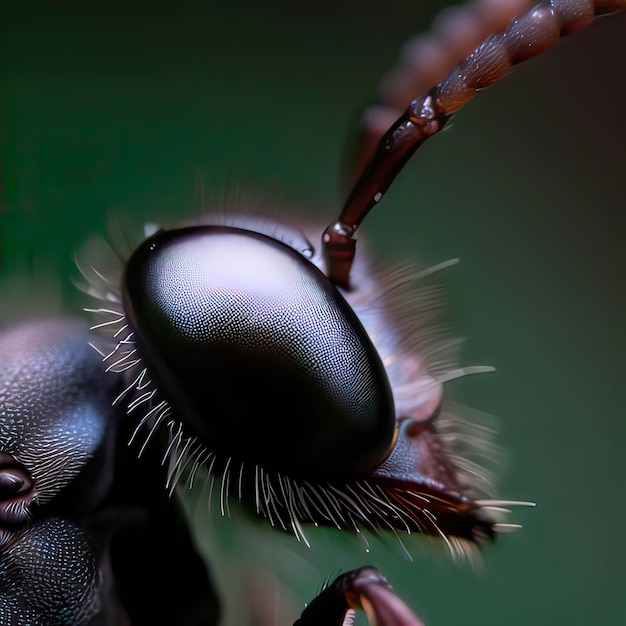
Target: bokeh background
{"type": "Point", "coordinates": [148, 112]}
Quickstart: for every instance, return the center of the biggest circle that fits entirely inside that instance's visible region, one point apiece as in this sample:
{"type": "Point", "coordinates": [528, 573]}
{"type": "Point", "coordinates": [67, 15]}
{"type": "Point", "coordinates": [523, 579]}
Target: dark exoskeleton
{"type": "Point", "coordinates": [79, 516]}
{"type": "Point", "coordinates": [250, 312]}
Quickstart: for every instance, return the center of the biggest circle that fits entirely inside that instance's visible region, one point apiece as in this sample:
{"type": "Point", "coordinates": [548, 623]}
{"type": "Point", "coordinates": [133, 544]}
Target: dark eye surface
{"type": "Point", "coordinates": [248, 341]}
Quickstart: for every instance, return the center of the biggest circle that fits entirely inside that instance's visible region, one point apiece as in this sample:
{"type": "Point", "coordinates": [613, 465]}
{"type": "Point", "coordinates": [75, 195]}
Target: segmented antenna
{"type": "Point", "coordinates": [525, 36]}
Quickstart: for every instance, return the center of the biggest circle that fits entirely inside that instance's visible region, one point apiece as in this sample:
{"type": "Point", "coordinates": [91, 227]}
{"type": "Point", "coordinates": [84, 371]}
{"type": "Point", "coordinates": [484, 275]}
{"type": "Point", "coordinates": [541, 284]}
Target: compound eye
{"type": "Point", "coordinates": [258, 353]}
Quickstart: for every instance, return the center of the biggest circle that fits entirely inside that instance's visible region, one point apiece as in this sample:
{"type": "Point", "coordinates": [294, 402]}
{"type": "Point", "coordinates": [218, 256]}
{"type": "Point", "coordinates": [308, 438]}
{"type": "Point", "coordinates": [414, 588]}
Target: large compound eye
{"type": "Point", "coordinates": [249, 342]}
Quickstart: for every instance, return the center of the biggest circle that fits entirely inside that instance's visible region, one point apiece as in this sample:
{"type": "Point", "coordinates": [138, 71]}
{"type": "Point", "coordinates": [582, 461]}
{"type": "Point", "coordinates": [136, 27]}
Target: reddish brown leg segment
{"type": "Point", "coordinates": [364, 589]}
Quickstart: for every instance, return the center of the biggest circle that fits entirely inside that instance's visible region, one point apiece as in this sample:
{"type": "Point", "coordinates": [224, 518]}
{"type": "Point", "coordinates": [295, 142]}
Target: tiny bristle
{"type": "Point", "coordinates": [502, 527]}
{"type": "Point", "coordinates": [505, 503]}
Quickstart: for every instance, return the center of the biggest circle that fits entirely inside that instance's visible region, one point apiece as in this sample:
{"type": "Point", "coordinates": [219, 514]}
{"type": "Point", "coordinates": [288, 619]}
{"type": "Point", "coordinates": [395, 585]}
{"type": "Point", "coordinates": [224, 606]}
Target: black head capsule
{"type": "Point", "coordinates": [258, 353]}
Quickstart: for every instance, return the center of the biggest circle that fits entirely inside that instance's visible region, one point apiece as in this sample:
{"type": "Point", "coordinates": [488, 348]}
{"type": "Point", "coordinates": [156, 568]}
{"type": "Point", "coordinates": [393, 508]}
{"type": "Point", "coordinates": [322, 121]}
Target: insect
{"type": "Point", "coordinates": [138, 394]}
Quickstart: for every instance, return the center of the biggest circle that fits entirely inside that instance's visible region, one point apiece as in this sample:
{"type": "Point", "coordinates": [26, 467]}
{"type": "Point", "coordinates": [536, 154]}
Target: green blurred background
{"type": "Point", "coordinates": [151, 111]}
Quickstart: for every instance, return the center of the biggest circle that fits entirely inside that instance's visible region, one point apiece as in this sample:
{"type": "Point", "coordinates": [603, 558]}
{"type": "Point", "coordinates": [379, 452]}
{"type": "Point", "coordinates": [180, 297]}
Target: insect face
{"type": "Point", "coordinates": [323, 415]}
{"type": "Point", "coordinates": [230, 339]}
{"type": "Point", "coordinates": [247, 313]}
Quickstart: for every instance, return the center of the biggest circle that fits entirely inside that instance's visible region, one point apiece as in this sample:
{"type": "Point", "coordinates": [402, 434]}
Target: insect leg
{"type": "Point", "coordinates": [363, 589]}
